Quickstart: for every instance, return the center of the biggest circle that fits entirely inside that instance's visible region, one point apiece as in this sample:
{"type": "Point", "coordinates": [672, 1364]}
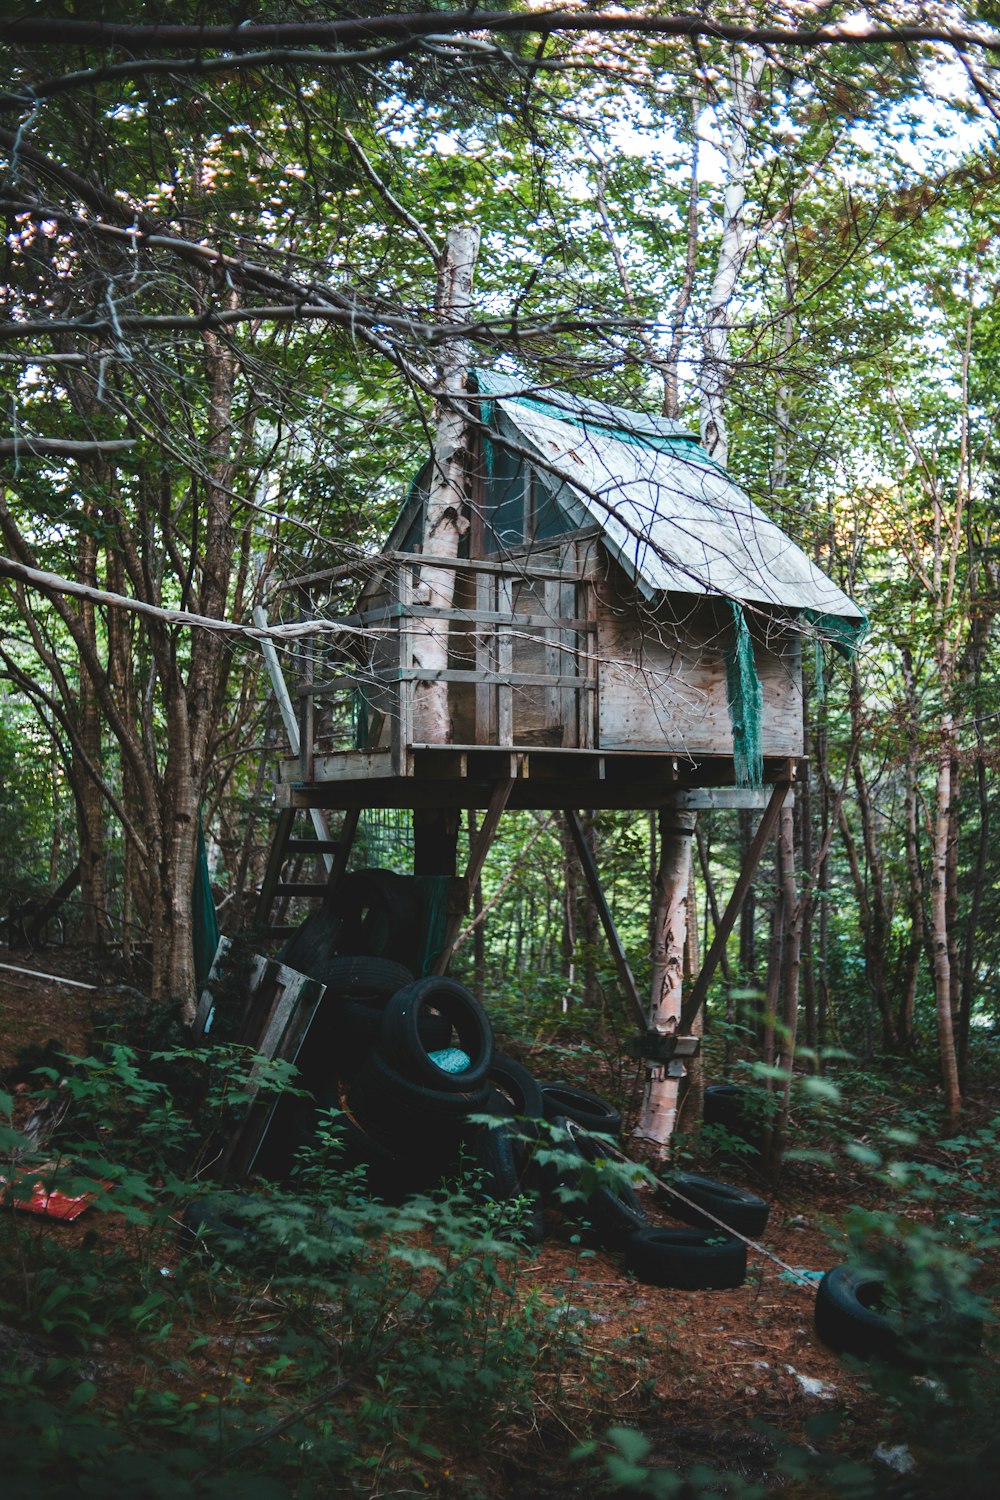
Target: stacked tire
{"type": "Point", "coordinates": [411, 1068]}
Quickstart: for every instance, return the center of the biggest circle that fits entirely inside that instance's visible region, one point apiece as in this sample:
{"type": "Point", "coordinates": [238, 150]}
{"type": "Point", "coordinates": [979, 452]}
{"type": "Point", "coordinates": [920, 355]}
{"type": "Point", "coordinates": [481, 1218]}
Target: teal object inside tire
{"type": "Point", "coordinates": [450, 1059]}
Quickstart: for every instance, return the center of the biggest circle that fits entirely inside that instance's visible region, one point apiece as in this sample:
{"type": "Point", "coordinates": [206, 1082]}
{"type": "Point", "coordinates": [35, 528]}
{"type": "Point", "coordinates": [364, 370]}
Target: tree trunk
{"type": "Point", "coordinates": [445, 520]}
{"type": "Point", "coordinates": [745, 73]}
{"type": "Point", "coordinates": [693, 1098]}
{"type": "Point", "coordinates": [940, 949]}
{"type": "Point", "coordinates": [672, 892]}
{"type": "Point", "coordinates": [792, 912]}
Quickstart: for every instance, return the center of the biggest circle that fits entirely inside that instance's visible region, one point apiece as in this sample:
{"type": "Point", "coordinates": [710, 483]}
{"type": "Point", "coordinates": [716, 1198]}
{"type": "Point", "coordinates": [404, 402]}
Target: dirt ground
{"type": "Point", "coordinates": [699, 1372]}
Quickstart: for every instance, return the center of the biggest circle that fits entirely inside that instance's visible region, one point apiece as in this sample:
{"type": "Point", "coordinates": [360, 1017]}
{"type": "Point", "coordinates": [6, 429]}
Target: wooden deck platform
{"type": "Point", "coordinates": [460, 776]}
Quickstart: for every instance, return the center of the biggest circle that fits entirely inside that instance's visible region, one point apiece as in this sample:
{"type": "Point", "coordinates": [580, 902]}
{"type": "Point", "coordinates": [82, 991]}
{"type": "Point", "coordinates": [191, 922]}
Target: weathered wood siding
{"type": "Point", "coordinates": [662, 674]}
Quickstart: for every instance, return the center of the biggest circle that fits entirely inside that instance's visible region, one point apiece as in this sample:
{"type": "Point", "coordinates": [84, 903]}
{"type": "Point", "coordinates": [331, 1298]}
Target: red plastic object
{"type": "Point", "coordinates": [46, 1199]}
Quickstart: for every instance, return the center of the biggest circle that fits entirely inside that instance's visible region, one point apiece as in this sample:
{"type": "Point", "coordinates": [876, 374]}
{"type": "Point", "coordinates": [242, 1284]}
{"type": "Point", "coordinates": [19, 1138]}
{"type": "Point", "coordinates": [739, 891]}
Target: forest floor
{"type": "Point", "coordinates": [724, 1378]}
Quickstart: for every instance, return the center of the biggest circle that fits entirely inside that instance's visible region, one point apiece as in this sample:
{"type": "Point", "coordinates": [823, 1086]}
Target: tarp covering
{"type": "Point", "coordinates": [674, 520]}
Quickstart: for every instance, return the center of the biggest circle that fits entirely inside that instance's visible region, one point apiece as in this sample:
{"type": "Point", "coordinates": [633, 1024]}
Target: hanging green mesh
{"type": "Point", "coordinates": [433, 891]}
{"type": "Point", "coordinates": [486, 411]}
{"type": "Point", "coordinates": [844, 635]}
{"type": "Point", "coordinates": [359, 719]}
{"type": "Point", "coordinates": [384, 840]}
{"type": "Point", "coordinates": [745, 698]}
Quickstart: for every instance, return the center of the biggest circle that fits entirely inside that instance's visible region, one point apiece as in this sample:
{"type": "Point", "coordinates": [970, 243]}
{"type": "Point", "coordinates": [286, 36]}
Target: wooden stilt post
{"type": "Point", "coordinates": [625, 975]}
{"type": "Point", "coordinates": [477, 858]}
{"type": "Point", "coordinates": [673, 884]}
{"type": "Point", "coordinates": [762, 837]}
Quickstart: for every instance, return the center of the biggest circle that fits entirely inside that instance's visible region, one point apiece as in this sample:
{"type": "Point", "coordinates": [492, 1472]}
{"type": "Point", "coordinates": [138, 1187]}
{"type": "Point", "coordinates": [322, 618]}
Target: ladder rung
{"type": "Point", "coordinates": [312, 846]}
{"type": "Point", "coordinates": [307, 888]}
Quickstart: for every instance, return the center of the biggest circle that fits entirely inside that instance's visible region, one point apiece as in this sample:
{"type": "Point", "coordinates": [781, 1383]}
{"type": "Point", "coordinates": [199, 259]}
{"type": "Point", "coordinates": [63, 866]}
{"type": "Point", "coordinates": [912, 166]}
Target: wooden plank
{"type": "Point", "coordinates": [348, 832]}
{"type": "Point", "coordinates": [295, 1002]}
{"type": "Point", "coordinates": [477, 616]}
{"type": "Point", "coordinates": [553, 660]}
{"type": "Point", "coordinates": [663, 677]}
{"type": "Point", "coordinates": [402, 709]}
{"type": "Point", "coordinates": [275, 863]}
{"type": "Point", "coordinates": [726, 798]}
{"type": "Point", "coordinates": [622, 965]}
{"type": "Point", "coordinates": [765, 831]}
{"type": "Point", "coordinates": [288, 715]}
{"type": "Point", "coordinates": [500, 678]}
{"type": "Point", "coordinates": [502, 569]}
{"type": "Point", "coordinates": [485, 695]}
{"type": "Point", "coordinates": [206, 1000]}
{"type": "Point", "coordinates": [505, 663]}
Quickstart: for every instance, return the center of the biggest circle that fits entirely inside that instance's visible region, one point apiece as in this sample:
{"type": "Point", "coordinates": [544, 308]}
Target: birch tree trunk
{"type": "Point", "coordinates": [671, 898]}
{"type": "Point", "coordinates": [940, 946]}
{"type": "Point", "coordinates": [745, 74]}
{"type": "Point", "coordinates": [446, 520]}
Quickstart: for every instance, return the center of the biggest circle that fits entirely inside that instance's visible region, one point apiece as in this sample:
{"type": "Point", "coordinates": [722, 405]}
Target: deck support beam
{"type": "Point", "coordinates": [761, 839]}
{"type": "Point", "coordinates": [625, 976]}
{"type": "Point", "coordinates": [477, 858]}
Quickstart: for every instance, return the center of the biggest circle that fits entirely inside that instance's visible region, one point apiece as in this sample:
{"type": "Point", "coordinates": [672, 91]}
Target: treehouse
{"type": "Point", "coordinates": [613, 624]}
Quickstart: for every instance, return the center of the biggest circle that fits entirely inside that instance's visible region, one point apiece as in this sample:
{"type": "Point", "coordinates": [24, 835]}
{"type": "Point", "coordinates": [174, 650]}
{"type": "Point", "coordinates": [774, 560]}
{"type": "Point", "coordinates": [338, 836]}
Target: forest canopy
{"type": "Point", "coordinates": [777, 223]}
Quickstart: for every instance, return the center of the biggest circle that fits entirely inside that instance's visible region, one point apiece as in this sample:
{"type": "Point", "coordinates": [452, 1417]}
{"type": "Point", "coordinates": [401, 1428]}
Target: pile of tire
{"type": "Point", "coordinates": [707, 1254]}
{"type": "Point", "coordinates": [411, 1068]}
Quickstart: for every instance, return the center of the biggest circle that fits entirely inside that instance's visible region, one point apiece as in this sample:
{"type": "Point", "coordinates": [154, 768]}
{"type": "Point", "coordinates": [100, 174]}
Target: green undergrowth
{"type": "Point", "coordinates": [318, 1342]}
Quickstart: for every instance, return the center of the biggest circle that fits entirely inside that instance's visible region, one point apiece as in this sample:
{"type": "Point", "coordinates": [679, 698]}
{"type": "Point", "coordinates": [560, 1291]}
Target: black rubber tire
{"type": "Point", "coordinates": [688, 1259]}
{"type": "Point", "coordinates": [566, 1101]}
{"type": "Point", "coordinates": [390, 1175]}
{"type": "Point", "coordinates": [612, 1214]}
{"type": "Point", "coordinates": [739, 1210]}
{"type": "Point", "coordinates": [220, 1222]}
{"type": "Point", "coordinates": [313, 944]}
{"type": "Point", "coordinates": [409, 1118]}
{"type": "Point", "coordinates": [726, 1104]}
{"type": "Point", "coordinates": [380, 915]}
{"type": "Point", "coordinates": [615, 1213]}
{"type": "Point", "coordinates": [849, 1319]}
{"type": "Point", "coordinates": [520, 1087]}
{"type": "Point", "coordinates": [356, 1029]}
{"type": "Point", "coordinates": [404, 1047]}
{"type": "Point", "coordinates": [371, 981]}
{"type": "Point", "coordinates": [496, 1154]}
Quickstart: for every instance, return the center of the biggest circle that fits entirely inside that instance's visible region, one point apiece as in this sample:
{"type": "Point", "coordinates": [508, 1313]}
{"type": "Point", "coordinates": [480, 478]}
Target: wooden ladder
{"type": "Point", "coordinates": [276, 891]}
{"type": "Point", "coordinates": [287, 842]}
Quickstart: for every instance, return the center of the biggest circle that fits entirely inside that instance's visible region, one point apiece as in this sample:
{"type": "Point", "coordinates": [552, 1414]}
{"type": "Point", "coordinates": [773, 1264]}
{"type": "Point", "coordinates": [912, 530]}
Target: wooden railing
{"type": "Point", "coordinates": [521, 667]}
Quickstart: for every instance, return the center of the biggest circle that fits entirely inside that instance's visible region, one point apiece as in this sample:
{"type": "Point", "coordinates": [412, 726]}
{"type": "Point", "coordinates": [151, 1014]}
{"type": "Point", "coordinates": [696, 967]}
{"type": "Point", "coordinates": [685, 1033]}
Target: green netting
{"type": "Point", "coordinates": [844, 635]}
{"type": "Point", "coordinates": [818, 672]}
{"type": "Point", "coordinates": [487, 410]}
{"type": "Point", "coordinates": [205, 923]}
{"type": "Point", "coordinates": [433, 890]}
{"type": "Point", "coordinates": [745, 698]}
{"type": "Point", "coordinates": [384, 840]}
{"type": "Point", "coordinates": [359, 719]}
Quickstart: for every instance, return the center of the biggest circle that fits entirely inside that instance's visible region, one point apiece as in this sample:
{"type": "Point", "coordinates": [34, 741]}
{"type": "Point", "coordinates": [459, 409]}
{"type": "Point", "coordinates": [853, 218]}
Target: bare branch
{"type": "Point", "coordinates": [403, 214]}
{"type": "Point", "coordinates": [43, 447]}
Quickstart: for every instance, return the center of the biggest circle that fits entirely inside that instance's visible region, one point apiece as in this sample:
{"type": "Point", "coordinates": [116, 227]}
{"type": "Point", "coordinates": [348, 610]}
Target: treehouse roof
{"type": "Point", "coordinates": [673, 518]}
